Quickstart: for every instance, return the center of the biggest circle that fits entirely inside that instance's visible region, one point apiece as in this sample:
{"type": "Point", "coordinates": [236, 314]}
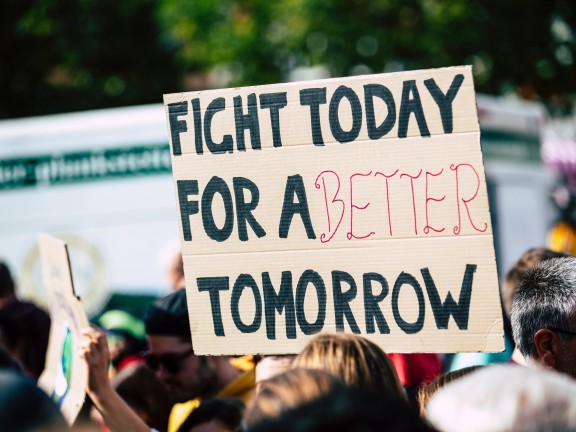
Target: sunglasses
{"type": "Point", "coordinates": [172, 362]}
{"type": "Point", "coordinates": [559, 330]}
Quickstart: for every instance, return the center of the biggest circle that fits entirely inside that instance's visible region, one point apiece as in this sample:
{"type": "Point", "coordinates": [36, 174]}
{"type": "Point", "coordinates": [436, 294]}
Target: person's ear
{"type": "Point", "coordinates": [546, 344]}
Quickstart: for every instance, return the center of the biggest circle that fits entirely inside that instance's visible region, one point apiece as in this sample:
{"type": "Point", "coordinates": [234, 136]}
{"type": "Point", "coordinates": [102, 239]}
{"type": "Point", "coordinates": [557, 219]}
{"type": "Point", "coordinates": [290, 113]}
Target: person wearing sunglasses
{"type": "Point", "coordinates": [544, 315]}
{"type": "Point", "coordinates": [188, 378]}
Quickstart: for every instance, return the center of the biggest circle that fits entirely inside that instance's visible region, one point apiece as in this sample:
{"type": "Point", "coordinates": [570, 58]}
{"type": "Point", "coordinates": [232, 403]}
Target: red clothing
{"type": "Point", "coordinates": [415, 369]}
{"type": "Point", "coordinates": [128, 361]}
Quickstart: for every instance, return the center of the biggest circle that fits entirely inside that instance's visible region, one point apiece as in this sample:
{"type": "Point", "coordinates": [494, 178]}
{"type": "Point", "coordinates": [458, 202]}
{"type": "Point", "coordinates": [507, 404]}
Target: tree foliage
{"type": "Point", "coordinates": [78, 54]}
{"type": "Point", "coordinates": [65, 55]}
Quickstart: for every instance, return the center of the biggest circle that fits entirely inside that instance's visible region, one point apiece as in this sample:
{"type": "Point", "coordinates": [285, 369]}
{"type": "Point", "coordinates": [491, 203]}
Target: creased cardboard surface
{"type": "Point", "coordinates": [307, 197]}
{"type": "Point", "coordinates": [65, 376]}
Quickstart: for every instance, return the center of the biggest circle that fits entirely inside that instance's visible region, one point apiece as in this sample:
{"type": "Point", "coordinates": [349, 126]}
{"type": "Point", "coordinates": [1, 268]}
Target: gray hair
{"type": "Point", "coordinates": [546, 298]}
{"type": "Point", "coordinates": [506, 398]}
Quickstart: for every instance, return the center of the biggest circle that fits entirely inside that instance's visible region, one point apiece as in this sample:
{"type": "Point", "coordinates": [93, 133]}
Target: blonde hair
{"type": "Point", "coordinates": [289, 390]}
{"type": "Point", "coordinates": [357, 361]}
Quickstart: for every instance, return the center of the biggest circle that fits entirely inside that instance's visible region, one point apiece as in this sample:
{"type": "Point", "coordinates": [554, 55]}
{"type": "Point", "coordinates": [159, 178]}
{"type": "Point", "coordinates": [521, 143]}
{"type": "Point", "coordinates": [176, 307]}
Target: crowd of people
{"type": "Point", "coordinates": [143, 375]}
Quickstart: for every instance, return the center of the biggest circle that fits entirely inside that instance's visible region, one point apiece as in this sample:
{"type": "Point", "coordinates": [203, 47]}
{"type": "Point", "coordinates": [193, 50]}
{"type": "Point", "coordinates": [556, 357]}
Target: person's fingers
{"type": "Point", "coordinates": [94, 339]}
{"type": "Point", "coordinates": [90, 332]}
{"type": "Point", "coordinates": [94, 354]}
{"type": "Point", "coordinates": [88, 347]}
{"type": "Point", "coordinates": [94, 333]}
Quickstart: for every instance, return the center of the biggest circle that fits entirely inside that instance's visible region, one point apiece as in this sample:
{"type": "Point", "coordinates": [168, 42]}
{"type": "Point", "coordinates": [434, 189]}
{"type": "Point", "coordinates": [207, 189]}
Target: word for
{"type": "Point", "coordinates": [315, 99]}
{"type": "Point", "coordinates": [289, 301]}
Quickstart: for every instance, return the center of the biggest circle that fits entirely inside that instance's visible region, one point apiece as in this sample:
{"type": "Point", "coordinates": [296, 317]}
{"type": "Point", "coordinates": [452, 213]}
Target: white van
{"type": "Point", "coordinates": [101, 181]}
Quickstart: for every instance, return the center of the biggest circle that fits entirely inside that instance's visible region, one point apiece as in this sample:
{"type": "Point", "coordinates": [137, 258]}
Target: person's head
{"type": "Point", "coordinates": [140, 388]}
{"type": "Point", "coordinates": [428, 390]}
{"type": "Point", "coordinates": [544, 315]}
{"type": "Point", "coordinates": [345, 410]}
{"type": "Point", "coordinates": [289, 390]}
{"type": "Point", "coordinates": [215, 415]}
{"type": "Point", "coordinates": [356, 360]}
{"type": "Point", "coordinates": [516, 272]}
{"type": "Point", "coordinates": [24, 333]}
{"type": "Point", "coordinates": [24, 407]}
{"type": "Point", "coordinates": [7, 289]}
{"type": "Point", "coordinates": [171, 354]}
{"type": "Point", "coordinates": [505, 398]}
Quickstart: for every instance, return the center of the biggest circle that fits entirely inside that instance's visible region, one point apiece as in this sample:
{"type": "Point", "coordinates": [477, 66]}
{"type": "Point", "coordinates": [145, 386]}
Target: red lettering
{"type": "Point", "coordinates": [427, 228]}
{"type": "Point", "coordinates": [413, 198]}
{"type": "Point", "coordinates": [334, 200]}
{"type": "Point", "coordinates": [353, 206]}
{"type": "Point", "coordinates": [388, 196]}
{"type": "Point", "coordinates": [458, 228]}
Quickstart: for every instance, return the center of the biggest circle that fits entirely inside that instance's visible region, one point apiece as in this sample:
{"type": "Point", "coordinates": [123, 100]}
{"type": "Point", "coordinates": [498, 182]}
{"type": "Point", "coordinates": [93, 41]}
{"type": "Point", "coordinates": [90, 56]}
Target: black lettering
{"type": "Point", "coordinates": [197, 126]}
{"type": "Point", "coordinates": [214, 285]}
{"type": "Point", "coordinates": [410, 105]}
{"type": "Point", "coordinates": [314, 97]}
{"type": "Point", "coordinates": [295, 188]}
{"type": "Point", "coordinates": [274, 102]}
{"type": "Point", "coordinates": [217, 105]}
{"type": "Point", "coordinates": [214, 186]}
{"type": "Point", "coordinates": [246, 281]}
{"type": "Point", "coordinates": [442, 310]}
{"type": "Point", "coordinates": [310, 277]}
{"type": "Point", "coordinates": [338, 133]}
{"type": "Point", "coordinates": [247, 121]}
{"type": "Point", "coordinates": [177, 127]}
{"type": "Point", "coordinates": [444, 101]}
{"type": "Point", "coordinates": [372, 311]}
{"type": "Point", "coordinates": [187, 208]}
{"type": "Point", "coordinates": [408, 279]}
{"type": "Point", "coordinates": [244, 209]}
{"type": "Point", "coordinates": [342, 300]}
{"type": "Point", "coordinates": [382, 92]}
{"type": "Point", "coordinates": [283, 301]}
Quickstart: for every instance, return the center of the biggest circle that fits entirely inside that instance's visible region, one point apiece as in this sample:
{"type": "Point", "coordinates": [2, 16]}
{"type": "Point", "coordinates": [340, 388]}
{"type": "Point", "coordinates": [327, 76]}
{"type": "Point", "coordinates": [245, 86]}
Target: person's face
{"type": "Point", "coordinates": [185, 375]}
{"type": "Point", "coordinates": [566, 354]}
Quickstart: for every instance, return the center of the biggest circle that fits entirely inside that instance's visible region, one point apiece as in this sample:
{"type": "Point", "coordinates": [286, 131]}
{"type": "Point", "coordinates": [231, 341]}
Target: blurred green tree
{"type": "Point", "coordinates": [238, 42]}
{"type": "Point", "coordinates": [66, 55]}
{"type": "Point", "coordinates": [527, 47]}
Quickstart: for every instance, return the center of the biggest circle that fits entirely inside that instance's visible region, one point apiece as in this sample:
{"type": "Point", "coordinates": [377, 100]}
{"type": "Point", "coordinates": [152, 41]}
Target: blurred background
{"type": "Point", "coordinates": [83, 140]}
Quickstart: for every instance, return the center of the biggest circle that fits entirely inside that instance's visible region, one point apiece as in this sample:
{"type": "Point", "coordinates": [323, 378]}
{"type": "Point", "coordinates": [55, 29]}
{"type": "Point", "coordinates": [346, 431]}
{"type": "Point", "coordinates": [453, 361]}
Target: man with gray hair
{"type": "Point", "coordinates": [544, 315]}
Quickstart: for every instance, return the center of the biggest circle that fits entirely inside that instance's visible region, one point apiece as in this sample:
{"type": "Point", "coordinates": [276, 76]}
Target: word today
{"type": "Point", "coordinates": [362, 109]}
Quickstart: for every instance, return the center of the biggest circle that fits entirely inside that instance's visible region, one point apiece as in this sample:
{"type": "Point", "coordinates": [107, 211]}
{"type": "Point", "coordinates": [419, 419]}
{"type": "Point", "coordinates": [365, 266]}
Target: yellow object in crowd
{"type": "Point", "coordinates": [562, 238]}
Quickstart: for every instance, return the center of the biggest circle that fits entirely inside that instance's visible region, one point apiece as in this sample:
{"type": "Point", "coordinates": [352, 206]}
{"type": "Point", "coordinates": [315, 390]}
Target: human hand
{"type": "Point", "coordinates": [94, 350]}
{"type": "Point", "coordinates": [117, 414]}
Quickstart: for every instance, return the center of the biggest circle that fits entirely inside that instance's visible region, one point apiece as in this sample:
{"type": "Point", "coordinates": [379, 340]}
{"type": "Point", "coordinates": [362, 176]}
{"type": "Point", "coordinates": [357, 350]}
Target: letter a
{"type": "Point", "coordinates": [295, 187]}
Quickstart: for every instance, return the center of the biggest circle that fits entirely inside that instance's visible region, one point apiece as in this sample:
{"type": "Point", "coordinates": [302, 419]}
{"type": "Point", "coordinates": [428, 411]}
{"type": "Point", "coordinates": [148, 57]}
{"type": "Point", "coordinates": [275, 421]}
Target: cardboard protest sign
{"type": "Point", "coordinates": [356, 204]}
{"type": "Point", "coordinates": [65, 375]}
